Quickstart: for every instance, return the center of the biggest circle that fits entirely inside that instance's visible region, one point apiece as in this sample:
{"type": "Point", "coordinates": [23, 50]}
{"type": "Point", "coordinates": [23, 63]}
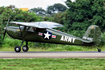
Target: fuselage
{"type": "Point", "coordinates": [44, 35]}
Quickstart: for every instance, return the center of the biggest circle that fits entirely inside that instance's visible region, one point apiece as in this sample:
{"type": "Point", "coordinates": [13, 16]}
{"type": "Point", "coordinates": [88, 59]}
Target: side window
{"type": "Point", "coordinates": [21, 27]}
{"type": "Point", "coordinates": [31, 29]}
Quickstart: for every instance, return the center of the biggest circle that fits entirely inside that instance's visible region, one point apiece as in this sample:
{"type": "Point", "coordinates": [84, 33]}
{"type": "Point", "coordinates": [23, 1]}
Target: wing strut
{"type": "Point", "coordinates": [21, 32]}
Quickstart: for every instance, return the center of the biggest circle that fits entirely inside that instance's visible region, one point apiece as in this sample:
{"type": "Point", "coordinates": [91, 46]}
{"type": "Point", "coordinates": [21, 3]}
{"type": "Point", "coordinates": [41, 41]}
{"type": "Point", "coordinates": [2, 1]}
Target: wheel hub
{"type": "Point", "coordinates": [17, 49]}
{"type": "Point", "coordinates": [24, 48]}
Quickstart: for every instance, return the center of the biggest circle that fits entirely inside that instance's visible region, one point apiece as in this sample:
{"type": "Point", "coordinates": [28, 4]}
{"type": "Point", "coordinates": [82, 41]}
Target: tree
{"type": "Point", "coordinates": [1, 9]}
{"type": "Point", "coordinates": [50, 10]}
{"type": "Point", "coordinates": [60, 17]}
{"type": "Point", "coordinates": [1, 30]}
{"type": "Point", "coordinates": [56, 8]}
{"type": "Point", "coordinates": [59, 7]}
{"type": "Point", "coordinates": [38, 11]}
{"type": "Point", "coordinates": [11, 6]}
{"type": "Point", "coordinates": [18, 15]}
{"type": "Point", "coordinates": [83, 13]}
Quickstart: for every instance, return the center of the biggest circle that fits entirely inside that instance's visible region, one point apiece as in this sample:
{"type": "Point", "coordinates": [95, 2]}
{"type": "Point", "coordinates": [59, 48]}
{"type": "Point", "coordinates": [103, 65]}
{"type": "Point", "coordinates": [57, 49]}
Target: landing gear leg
{"type": "Point", "coordinates": [25, 47]}
{"type": "Point", "coordinates": [18, 48]}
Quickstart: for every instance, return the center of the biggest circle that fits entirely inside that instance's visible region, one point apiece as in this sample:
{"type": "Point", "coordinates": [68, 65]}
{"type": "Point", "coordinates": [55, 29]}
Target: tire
{"type": "Point", "coordinates": [25, 48]}
{"type": "Point", "coordinates": [17, 49]}
{"type": "Point", "coordinates": [99, 50]}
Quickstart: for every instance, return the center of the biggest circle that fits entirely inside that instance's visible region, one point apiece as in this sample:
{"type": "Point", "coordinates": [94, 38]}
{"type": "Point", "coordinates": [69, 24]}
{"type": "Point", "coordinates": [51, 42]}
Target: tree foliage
{"type": "Point", "coordinates": [1, 31]}
{"type": "Point", "coordinates": [38, 11]}
{"type": "Point", "coordinates": [56, 8]}
{"type": "Point", "coordinates": [50, 10]}
{"type": "Point", "coordinates": [83, 13]}
{"type": "Point", "coordinates": [60, 17]}
{"type": "Point", "coordinates": [59, 7]}
{"type": "Point", "coordinates": [17, 15]}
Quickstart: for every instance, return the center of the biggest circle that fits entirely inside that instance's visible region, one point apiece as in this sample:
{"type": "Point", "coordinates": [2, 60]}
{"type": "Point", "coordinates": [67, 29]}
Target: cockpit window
{"type": "Point", "coordinates": [21, 27]}
{"type": "Point", "coordinates": [31, 29]}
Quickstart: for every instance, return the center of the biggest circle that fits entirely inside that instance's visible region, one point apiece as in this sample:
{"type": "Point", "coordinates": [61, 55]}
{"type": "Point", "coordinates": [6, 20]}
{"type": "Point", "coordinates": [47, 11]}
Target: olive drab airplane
{"type": "Point", "coordinates": [44, 32]}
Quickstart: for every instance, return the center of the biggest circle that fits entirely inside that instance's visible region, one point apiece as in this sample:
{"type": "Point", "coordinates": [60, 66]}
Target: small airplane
{"type": "Point", "coordinates": [44, 32]}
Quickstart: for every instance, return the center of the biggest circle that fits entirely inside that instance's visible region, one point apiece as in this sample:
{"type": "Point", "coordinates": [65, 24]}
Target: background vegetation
{"type": "Point", "coordinates": [76, 18]}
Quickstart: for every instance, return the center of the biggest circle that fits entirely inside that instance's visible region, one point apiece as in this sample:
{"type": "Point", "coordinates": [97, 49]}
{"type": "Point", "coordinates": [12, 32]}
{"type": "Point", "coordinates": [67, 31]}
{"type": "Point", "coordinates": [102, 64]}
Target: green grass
{"type": "Point", "coordinates": [57, 48]}
{"type": "Point", "coordinates": [52, 64]}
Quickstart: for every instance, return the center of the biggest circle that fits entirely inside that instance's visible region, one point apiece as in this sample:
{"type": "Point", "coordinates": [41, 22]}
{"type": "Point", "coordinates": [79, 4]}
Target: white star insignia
{"type": "Point", "coordinates": [47, 35]}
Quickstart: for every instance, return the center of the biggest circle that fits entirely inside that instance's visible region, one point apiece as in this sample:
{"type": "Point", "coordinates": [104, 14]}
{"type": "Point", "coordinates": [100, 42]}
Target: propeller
{"type": "Point", "coordinates": [5, 30]}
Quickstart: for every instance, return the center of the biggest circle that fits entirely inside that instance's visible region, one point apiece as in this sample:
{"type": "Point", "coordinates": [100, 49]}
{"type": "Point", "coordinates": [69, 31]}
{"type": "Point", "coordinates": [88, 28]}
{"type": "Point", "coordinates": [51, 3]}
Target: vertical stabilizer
{"type": "Point", "coordinates": [93, 34]}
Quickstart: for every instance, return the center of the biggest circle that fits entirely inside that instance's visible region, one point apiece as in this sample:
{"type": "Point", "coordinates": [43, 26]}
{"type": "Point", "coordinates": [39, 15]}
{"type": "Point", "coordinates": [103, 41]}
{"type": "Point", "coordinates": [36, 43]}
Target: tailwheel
{"type": "Point", "coordinates": [17, 49]}
{"type": "Point", "coordinates": [25, 48]}
{"type": "Point", "coordinates": [99, 50]}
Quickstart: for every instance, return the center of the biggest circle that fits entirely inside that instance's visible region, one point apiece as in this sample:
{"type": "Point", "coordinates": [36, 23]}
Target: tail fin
{"type": "Point", "coordinates": [93, 34]}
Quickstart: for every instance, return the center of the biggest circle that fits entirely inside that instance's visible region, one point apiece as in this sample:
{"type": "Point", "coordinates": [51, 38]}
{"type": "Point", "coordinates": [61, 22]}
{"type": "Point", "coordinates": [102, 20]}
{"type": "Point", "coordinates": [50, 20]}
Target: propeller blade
{"type": "Point", "coordinates": [5, 29]}
{"type": "Point", "coordinates": [4, 34]}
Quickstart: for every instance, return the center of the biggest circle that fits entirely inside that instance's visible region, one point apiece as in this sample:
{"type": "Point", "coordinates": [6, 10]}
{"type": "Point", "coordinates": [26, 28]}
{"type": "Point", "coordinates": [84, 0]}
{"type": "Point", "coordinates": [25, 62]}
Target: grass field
{"type": "Point", "coordinates": [52, 64]}
{"type": "Point", "coordinates": [57, 48]}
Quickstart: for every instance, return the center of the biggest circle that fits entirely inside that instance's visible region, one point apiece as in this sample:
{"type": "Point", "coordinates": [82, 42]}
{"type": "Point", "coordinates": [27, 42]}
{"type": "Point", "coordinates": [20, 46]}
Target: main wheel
{"type": "Point", "coordinates": [25, 48]}
{"type": "Point", "coordinates": [17, 49]}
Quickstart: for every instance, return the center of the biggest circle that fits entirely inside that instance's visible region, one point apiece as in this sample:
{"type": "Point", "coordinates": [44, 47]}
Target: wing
{"type": "Point", "coordinates": [43, 24]}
